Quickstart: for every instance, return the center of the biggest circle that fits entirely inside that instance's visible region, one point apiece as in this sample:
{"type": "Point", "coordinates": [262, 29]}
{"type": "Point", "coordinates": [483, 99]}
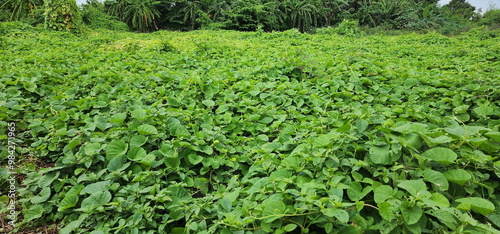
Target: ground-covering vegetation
{"type": "Point", "coordinates": [251, 132]}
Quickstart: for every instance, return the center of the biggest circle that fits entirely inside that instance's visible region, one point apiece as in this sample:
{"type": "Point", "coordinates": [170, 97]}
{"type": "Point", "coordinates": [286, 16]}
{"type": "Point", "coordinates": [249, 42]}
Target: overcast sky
{"type": "Point", "coordinates": [483, 4]}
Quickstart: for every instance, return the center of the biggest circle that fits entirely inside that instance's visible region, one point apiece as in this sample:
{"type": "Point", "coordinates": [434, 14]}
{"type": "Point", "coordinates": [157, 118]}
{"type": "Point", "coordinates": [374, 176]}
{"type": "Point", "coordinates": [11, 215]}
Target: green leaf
{"type": "Point", "coordinates": [92, 148]}
{"type": "Point", "coordinates": [361, 125]}
{"type": "Point", "coordinates": [96, 187]}
{"type": "Point", "coordinates": [172, 162]}
{"type": "Point", "coordinates": [495, 136]}
{"type": "Point", "coordinates": [431, 142]}
{"type": "Point", "coordinates": [440, 200]}
{"type": "Point", "coordinates": [74, 225]}
{"type": "Point", "coordinates": [461, 109]}
{"type": "Point", "coordinates": [457, 131]}
{"type": "Point", "coordinates": [483, 110]}
{"type": "Point", "coordinates": [116, 148]}
{"type": "Point", "coordinates": [437, 200]}
{"type": "Point", "coordinates": [382, 193]}
{"type": "Point", "coordinates": [272, 210]}
{"type": "Point", "coordinates": [381, 155]}
{"type": "Point", "coordinates": [33, 212]}
{"type": "Point", "coordinates": [322, 141]}
{"type": "Point", "coordinates": [412, 128]}
{"type": "Point", "coordinates": [328, 227]}
{"type": "Point", "coordinates": [176, 128]}
{"type": "Point", "coordinates": [42, 196]}
{"type": "Point", "coordinates": [95, 200]}
{"type": "Point", "coordinates": [136, 154]}
{"type": "Point", "coordinates": [291, 162]}
{"type": "Point", "coordinates": [194, 158]}
{"type": "Point", "coordinates": [47, 179]}
{"type": "Point", "coordinates": [411, 214]}
{"type": "Point", "coordinates": [226, 204]}
{"type": "Point", "coordinates": [459, 176]}
{"type": "Point", "coordinates": [139, 114]}
{"type": "Point", "coordinates": [436, 178]}
{"type": "Point", "coordinates": [494, 218]}
{"type": "Point", "coordinates": [496, 167]}
{"type": "Point", "coordinates": [30, 86]}
{"type": "Point", "coordinates": [386, 211]}
{"type": "Point", "coordinates": [70, 198]}
{"type": "Point", "coordinates": [478, 204]}
{"type": "Point", "coordinates": [208, 103]}
{"type": "Point", "coordinates": [356, 191]}
{"type": "Point", "coordinates": [116, 164]}
{"type": "Point", "coordinates": [147, 129]}
{"type": "Point", "coordinates": [207, 149]}
{"type": "Point", "coordinates": [344, 128]}
{"type": "Point", "coordinates": [263, 138]}
{"type": "Point", "coordinates": [118, 118]}
{"type": "Point", "coordinates": [414, 187]}
{"type": "Point", "coordinates": [222, 109]}
{"type": "Point", "coordinates": [137, 141]}
{"type": "Point", "coordinates": [446, 217]}
{"type": "Point", "coordinates": [410, 82]}
{"type": "Point", "coordinates": [442, 155]}
{"type": "Point", "coordinates": [413, 140]}
{"type": "Point", "coordinates": [290, 227]}
{"type": "Point", "coordinates": [341, 215]}
{"type": "Point", "coordinates": [148, 160]}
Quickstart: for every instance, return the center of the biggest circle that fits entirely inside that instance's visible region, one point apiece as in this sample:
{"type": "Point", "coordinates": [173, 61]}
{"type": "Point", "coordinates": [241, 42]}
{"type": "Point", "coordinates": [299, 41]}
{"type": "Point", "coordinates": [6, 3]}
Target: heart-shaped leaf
{"type": "Point", "coordinates": [116, 148]}
{"type": "Point", "coordinates": [440, 154]}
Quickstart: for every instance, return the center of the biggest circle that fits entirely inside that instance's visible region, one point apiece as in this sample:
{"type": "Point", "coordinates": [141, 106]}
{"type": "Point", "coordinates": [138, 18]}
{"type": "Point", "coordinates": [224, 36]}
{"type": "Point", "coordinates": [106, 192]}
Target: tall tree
{"type": "Point", "coordinates": [249, 15]}
{"type": "Point", "coordinates": [461, 8]}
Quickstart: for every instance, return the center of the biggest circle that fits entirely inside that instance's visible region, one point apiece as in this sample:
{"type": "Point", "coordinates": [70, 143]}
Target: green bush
{"type": "Point", "coordinates": [454, 25]}
{"type": "Point", "coordinates": [346, 27]}
{"type": "Point", "coordinates": [62, 15]}
{"type": "Point", "coordinates": [481, 33]}
{"type": "Point", "coordinates": [14, 27]}
{"type": "Point", "coordinates": [4, 15]}
{"type": "Point", "coordinates": [93, 15]}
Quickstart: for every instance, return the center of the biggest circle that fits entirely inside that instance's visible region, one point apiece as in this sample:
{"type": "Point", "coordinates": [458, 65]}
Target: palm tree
{"type": "Point", "coordinates": [333, 9]}
{"type": "Point", "coordinates": [20, 8]}
{"type": "Point", "coordinates": [302, 14]}
{"type": "Point", "coordinates": [117, 8]}
{"type": "Point", "coordinates": [216, 8]}
{"type": "Point", "coordinates": [190, 12]}
{"type": "Point", "coordinates": [141, 14]}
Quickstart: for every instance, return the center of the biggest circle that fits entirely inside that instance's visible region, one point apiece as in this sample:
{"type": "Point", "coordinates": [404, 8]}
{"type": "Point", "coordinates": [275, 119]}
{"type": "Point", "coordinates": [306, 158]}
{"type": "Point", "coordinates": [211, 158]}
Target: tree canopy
{"type": "Point", "coordinates": [243, 15]}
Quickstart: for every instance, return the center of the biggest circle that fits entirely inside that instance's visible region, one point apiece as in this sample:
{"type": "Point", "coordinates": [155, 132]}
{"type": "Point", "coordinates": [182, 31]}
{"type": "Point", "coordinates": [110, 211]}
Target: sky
{"type": "Point", "coordinates": [483, 4]}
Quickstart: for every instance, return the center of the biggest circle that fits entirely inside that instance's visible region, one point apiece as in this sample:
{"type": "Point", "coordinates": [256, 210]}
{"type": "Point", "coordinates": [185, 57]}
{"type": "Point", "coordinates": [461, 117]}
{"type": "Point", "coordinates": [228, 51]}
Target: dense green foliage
{"type": "Point", "coordinates": [461, 8]}
{"type": "Point", "coordinates": [491, 18]}
{"type": "Point", "coordinates": [247, 15]}
{"type": "Point", "coordinates": [18, 9]}
{"type": "Point", "coordinates": [93, 15]}
{"type": "Point", "coordinates": [62, 15]}
{"type": "Point", "coordinates": [232, 132]}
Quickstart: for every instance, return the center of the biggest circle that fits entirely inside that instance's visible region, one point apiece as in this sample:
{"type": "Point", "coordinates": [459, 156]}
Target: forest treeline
{"type": "Point", "coordinates": [248, 15]}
